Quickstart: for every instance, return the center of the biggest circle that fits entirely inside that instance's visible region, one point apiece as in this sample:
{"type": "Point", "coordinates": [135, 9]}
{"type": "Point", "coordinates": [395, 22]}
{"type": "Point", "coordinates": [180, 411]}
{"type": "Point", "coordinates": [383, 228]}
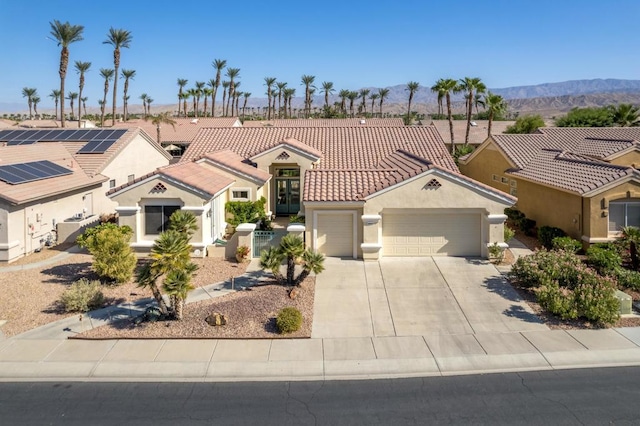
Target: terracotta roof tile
{"type": "Point", "coordinates": [230, 160]}
{"type": "Point", "coordinates": [185, 128]}
{"type": "Point", "coordinates": [342, 185]}
{"type": "Point", "coordinates": [477, 133]}
{"type": "Point", "coordinates": [326, 122]}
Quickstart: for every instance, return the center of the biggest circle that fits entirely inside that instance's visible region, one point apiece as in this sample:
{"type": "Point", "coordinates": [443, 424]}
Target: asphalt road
{"type": "Point", "coordinates": [569, 397]}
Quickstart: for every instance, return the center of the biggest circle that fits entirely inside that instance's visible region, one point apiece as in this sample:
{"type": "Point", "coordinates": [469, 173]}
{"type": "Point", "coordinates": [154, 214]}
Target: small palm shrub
{"type": "Point", "coordinates": [289, 319]}
{"type": "Point", "coordinates": [546, 234]}
{"type": "Point", "coordinates": [566, 244]}
{"type": "Point", "coordinates": [82, 296]}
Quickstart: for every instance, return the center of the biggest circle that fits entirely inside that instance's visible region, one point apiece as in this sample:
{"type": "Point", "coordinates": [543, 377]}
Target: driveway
{"type": "Point", "coordinates": [415, 297]}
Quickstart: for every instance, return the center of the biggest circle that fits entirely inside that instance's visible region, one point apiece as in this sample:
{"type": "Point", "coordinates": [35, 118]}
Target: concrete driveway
{"type": "Point", "coordinates": [416, 297]}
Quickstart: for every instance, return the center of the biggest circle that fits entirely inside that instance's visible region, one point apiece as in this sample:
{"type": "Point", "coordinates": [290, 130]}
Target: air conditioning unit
{"type": "Point", "coordinates": [77, 216]}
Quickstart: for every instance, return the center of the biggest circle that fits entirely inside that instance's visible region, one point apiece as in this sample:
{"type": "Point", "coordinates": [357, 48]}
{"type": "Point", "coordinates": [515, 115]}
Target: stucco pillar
{"type": "Point", "coordinates": [129, 216]}
{"type": "Point", "coordinates": [371, 236]}
{"type": "Point", "coordinates": [244, 231]}
{"type": "Point", "coordinates": [495, 232]}
{"type": "Point", "coordinates": [296, 229]}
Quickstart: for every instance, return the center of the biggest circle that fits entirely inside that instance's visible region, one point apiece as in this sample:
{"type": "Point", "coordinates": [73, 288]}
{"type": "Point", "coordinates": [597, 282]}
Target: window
{"type": "Point", "coordinates": [288, 172]}
{"type": "Point", "coordinates": [513, 192]}
{"type": "Point", "coordinates": [495, 178]}
{"type": "Point", "coordinates": [156, 218]}
{"type": "Point", "coordinates": [131, 178]}
{"type": "Point", "coordinates": [623, 213]}
{"type": "Point", "coordinates": [514, 184]}
{"type": "Point", "coordinates": [240, 194]}
{"type": "Point", "coordinates": [112, 183]}
{"type": "Point", "coordinates": [504, 180]}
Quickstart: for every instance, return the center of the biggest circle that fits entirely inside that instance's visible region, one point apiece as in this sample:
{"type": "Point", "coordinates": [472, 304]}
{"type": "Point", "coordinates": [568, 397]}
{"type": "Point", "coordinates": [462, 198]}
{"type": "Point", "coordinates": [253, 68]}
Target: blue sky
{"type": "Point", "coordinates": [353, 43]}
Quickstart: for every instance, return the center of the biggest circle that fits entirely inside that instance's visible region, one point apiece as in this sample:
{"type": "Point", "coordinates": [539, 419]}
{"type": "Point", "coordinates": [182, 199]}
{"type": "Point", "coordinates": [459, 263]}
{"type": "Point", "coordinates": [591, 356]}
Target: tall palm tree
{"type": "Point", "coordinates": [184, 97]}
{"type": "Point", "coordinates": [363, 94]}
{"type": "Point", "coordinates": [307, 81]}
{"type": "Point", "coordinates": [440, 90]}
{"type": "Point", "coordinates": [198, 92]}
{"type": "Point", "coordinates": [327, 89]}
{"type": "Point", "coordinates": [281, 86]}
{"type": "Point", "coordinates": [496, 106]}
{"type": "Point", "coordinates": [107, 74]}
{"type": "Point", "coordinates": [412, 87]}
{"type": "Point", "coordinates": [471, 86]}
{"type": "Point", "coordinates": [374, 96]}
{"type": "Point", "coordinates": [236, 101]}
{"type": "Point", "coordinates": [206, 92]}
{"type": "Point", "coordinates": [343, 95]}
{"type": "Point", "coordinates": [225, 86]}
{"type": "Point", "coordinates": [181, 83]}
{"type": "Point", "coordinates": [383, 95]}
{"type": "Point", "coordinates": [143, 97]}
{"type": "Point", "coordinates": [29, 93]}
{"type": "Point", "coordinates": [65, 34]}
{"type": "Point", "coordinates": [244, 105]}
{"type": "Point", "coordinates": [81, 68]}
{"type": "Point", "coordinates": [219, 65]}
{"type": "Point", "coordinates": [193, 93]}
{"type": "Point", "coordinates": [352, 96]}
{"type": "Point", "coordinates": [449, 86]}
{"type": "Point", "coordinates": [269, 82]}
{"type": "Point", "coordinates": [118, 38]}
{"type": "Point", "coordinates": [55, 95]}
{"type": "Point", "coordinates": [84, 104]}
{"type": "Point", "coordinates": [289, 93]}
{"type": "Point", "coordinates": [159, 120]}
{"type": "Point", "coordinates": [625, 115]}
{"type": "Point", "coordinates": [149, 100]}
{"type": "Point", "coordinates": [72, 96]}
{"type": "Point", "coordinates": [36, 101]}
{"type": "Point", "coordinates": [232, 73]}
{"type": "Point", "coordinates": [127, 75]}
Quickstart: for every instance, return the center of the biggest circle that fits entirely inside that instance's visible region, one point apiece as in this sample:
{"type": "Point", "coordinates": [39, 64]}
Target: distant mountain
{"type": "Point", "coordinates": [573, 87]}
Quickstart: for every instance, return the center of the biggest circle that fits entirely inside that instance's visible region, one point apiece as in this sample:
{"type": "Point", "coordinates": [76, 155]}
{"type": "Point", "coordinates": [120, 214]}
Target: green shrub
{"type": "Point", "coordinates": [628, 279]}
{"type": "Point", "coordinates": [113, 258]}
{"type": "Point", "coordinates": [294, 218]}
{"type": "Point", "coordinates": [604, 260]}
{"type": "Point", "coordinates": [566, 244]}
{"type": "Point", "coordinates": [546, 234]}
{"type": "Point", "coordinates": [527, 226]}
{"type": "Point", "coordinates": [595, 299]}
{"type": "Point", "coordinates": [82, 296]}
{"type": "Point", "coordinates": [513, 214]}
{"type": "Point", "coordinates": [557, 300]}
{"type": "Point", "coordinates": [289, 319]}
{"type": "Point", "coordinates": [508, 233]}
{"type": "Point", "coordinates": [245, 211]}
{"type": "Point", "coordinates": [531, 271]}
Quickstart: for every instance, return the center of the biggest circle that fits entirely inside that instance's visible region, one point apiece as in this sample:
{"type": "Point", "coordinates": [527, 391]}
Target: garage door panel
{"type": "Point", "coordinates": [335, 234]}
{"type": "Point", "coordinates": [414, 235]}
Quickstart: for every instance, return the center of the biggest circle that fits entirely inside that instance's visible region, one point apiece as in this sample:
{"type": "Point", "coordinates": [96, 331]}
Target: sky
{"type": "Point", "coordinates": [351, 43]}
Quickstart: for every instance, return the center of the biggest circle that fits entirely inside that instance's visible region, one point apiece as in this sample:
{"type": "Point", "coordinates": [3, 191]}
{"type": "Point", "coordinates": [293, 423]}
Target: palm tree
{"type": "Point", "coordinates": [449, 86]}
{"type": "Point", "coordinates": [232, 73]}
{"type": "Point", "coordinates": [72, 96]}
{"type": "Point", "coordinates": [107, 74]}
{"type": "Point", "coordinates": [289, 93]}
{"type": "Point", "coordinates": [193, 93]}
{"type": "Point", "coordinates": [496, 106]}
{"type": "Point", "coordinates": [383, 95]}
{"type": "Point", "coordinates": [269, 82]}
{"type": "Point", "coordinates": [181, 83]}
{"type": "Point", "coordinates": [29, 93]}
{"type": "Point", "coordinates": [412, 87]}
{"type": "Point", "coordinates": [219, 65]}
{"type": "Point", "coordinates": [149, 100]}
{"type": "Point", "coordinates": [291, 248]}
{"type": "Point", "coordinates": [363, 94]}
{"type": "Point", "coordinates": [470, 86]}
{"type": "Point", "coordinates": [625, 115]}
{"type": "Point", "coordinates": [65, 34]}
{"type": "Point", "coordinates": [244, 105]}
{"type": "Point", "coordinates": [281, 86]}
{"type": "Point", "coordinates": [206, 92]}
{"type": "Point", "coordinates": [440, 90]}
{"type": "Point", "coordinates": [143, 98]}
{"type": "Point", "coordinates": [327, 89]}
{"type": "Point", "coordinates": [84, 104]}
{"type": "Point", "coordinates": [184, 97]}
{"type": "Point", "coordinates": [225, 86]}
{"type": "Point", "coordinates": [36, 101]}
{"type": "Point", "coordinates": [127, 75]}
{"type": "Point", "coordinates": [236, 101]}
{"type": "Point", "coordinates": [198, 92]}
{"type": "Point", "coordinates": [81, 68]}
{"type": "Point", "coordinates": [307, 81]}
{"type": "Point", "coordinates": [118, 38]}
{"type": "Point", "coordinates": [353, 95]}
{"type": "Point", "coordinates": [158, 120]}
{"type": "Point", "coordinates": [55, 95]}
{"type": "Point", "coordinates": [343, 95]}
{"type": "Point", "coordinates": [374, 96]}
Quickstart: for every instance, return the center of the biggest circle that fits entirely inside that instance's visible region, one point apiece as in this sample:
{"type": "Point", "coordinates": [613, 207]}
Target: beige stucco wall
{"type": "Point", "coordinates": [630, 159]}
{"type": "Point", "coordinates": [487, 162]}
{"type": "Point", "coordinates": [597, 208]}
{"type": "Point", "coordinates": [311, 209]}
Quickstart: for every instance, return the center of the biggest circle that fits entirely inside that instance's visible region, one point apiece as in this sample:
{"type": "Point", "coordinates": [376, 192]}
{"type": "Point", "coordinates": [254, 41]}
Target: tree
{"type": "Point", "coordinates": [374, 96]}
{"type": "Point", "coordinates": [225, 86]}
{"type": "Point", "coordinates": [158, 120]}
{"type": "Point", "coordinates": [412, 87]}
{"type": "Point", "coordinates": [343, 95]}
{"type": "Point", "coordinates": [441, 91]}
{"type": "Point", "coordinates": [81, 68]}
{"type": "Point", "coordinates": [289, 93]}
{"type": "Point", "coordinates": [181, 83]}
{"type": "Point", "coordinates": [363, 94]}
{"type": "Point", "coordinates": [65, 34]}
{"type": "Point", "coordinates": [244, 105]}
{"type": "Point", "coordinates": [72, 96]}
{"type": "Point", "coordinates": [107, 74]}
{"type": "Point", "coordinates": [625, 115]}
{"type": "Point", "coordinates": [471, 86]}
{"type": "Point", "coordinates": [450, 86]}
{"type": "Point", "coordinates": [587, 117]}
{"type": "Point", "coordinates": [219, 65]}
{"type": "Point", "coordinates": [232, 73]}
{"type": "Point", "coordinates": [55, 95]}
{"type": "Point", "coordinates": [149, 100]}
{"type": "Point", "coordinates": [291, 248]}
{"type": "Point", "coordinates": [84, 104]}
{"type": "Point", "coordinates": [127, 75]}
{"type": "Point", "coordinates": [526, 124]}
{"type": "Point", "coordinates": [197, 92]}
{"type": "Point", "coordinates": [36, 101]}
{"type": "Point", "coordinates": [118, 38]}
{"type": "Point", "coordinates": [206, 92]}
{"type": "Point", "coordinates": [281, 85]}
{"type": "Point", "coordinates": [352, 96]}
{"type": "Point", "coordinates": [143, 97]}
{"type": "Point", "coordinates": [327, 89]}
{"type": "Point", "coordinates": [193, 94]}
{"type": "Point", "coordinates": [631, 235]}
{"type": "Point", "coordinates": [269, 82]}
{"type": "Point", "coordinates": [307, 81]}
{"type": "Point", "coordinates": [184, 97]}
{"type": "Point", "coordinates": [29, 93]}
{"type": "Point", "coordinates": [113, 257]}
{"type": "Point", "coordinates": [383, 95]}
{"type": "Point", "coordinates": [496, 106]}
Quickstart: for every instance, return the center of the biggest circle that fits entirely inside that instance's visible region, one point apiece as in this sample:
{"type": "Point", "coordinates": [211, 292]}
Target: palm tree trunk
{"type": "Point", "coordinates": [159, 299]}
{"type": "Point", "coordinates": [291, 266]}
{"type": "Point", "coordinates": [64, 61]}
{"type": "Point", "coordinates": [304, 274]}
{"type": "Point", "coordinates": [450, 117]}
{"type": "Point", "coordinates": [490, 122]}
{"type": "Point", "coordinates": [469, 111]}
{"type": "Point", "coordinates": [116, 65]}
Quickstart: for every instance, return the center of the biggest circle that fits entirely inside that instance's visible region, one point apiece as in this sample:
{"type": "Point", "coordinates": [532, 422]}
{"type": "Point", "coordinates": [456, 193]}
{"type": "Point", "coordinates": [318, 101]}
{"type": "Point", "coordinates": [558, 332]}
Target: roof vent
{"type": "Point", "coordinates": [473, 123]}
{"type": "Point", "coordinates": [432, 184]}
{"type": "Point", "coordinates": [194, 121]}
{"type": "Point", "coordinates": [363, 121]}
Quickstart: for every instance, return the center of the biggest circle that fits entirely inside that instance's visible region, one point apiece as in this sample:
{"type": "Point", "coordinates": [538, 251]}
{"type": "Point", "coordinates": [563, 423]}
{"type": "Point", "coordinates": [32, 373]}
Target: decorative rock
{"type": "Point", "coordinates": [293, 293]}
{"type": "Point", "coordinates": [216, 319]}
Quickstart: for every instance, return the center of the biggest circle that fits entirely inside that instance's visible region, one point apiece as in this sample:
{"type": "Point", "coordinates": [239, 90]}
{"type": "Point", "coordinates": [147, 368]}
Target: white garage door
{"type": "Point", "coordinates": [431, 234]}
{"type": "Point", "coordinates": [335, 234]}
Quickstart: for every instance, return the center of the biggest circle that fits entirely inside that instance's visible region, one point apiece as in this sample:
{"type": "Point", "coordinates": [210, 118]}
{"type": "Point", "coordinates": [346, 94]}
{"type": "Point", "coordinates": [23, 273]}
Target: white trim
{"type": "Point", "coordinates": [501, 245]}
{"type": "Point", "coordinates": [370, 219]}
{"type": "Point", "coordinates": [291, 147]}
{"type": "Point", "coordinates": [128, 209]}
{"type": "Point", "coordinates": [296, 227]}
{"type": "Point", "coordinates": [200, 209]}
{"type": "Point", "coordinates": [235, 171]}
{"type": "Point", "coordinates": [240, 189]}
{"type": "Point", "coordinates": [354, 214]}
{"type": "Point", "coordinates": [612, 184]}
{"type": "Point", "coordinates": [590, 240]}
{"type": "Point", "coordinates": [370, 247]}
{"type": "Point", "coordinates": [246, 227]}
{"type": "Point", "coordinates": [334, 204]}
{"type": "Point", "coordinates": [9, 246]}
{"type": "Point", "coordinates": [496, 219]}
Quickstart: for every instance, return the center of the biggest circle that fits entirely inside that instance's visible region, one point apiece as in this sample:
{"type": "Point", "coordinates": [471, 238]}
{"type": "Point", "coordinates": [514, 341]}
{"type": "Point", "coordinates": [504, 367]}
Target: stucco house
{"type": "Point", "coordinates": [582, 180]}
{"type": "Point", "coordinates": [366, 192]}
{"type": "Point", "coordinates": [56, 180]}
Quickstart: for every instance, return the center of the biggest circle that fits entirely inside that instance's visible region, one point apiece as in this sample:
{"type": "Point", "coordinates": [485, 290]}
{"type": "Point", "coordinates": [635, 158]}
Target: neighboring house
{"type": "Point", "coordinates": [57, 179]}
{"type": "Point", "coordinates": [582, 180]}
{"type": "Point", "coordinates": [477, 131]}
{"type": "Point", "coordinates": [366, 192]}
{"type": "Point", "coordinates": [326, 122]}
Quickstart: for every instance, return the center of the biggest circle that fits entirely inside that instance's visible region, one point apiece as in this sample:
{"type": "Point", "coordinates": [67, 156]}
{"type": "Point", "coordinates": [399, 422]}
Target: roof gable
{"type": "Point", "coordinates": [234, 163]}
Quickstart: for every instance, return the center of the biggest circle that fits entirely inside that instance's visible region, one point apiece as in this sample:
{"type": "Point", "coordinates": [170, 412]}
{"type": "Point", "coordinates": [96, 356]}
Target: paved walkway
{"type": "Point", "coordinates": [46, 353]}
{"type": "Point", "coordinates": [54, 259]}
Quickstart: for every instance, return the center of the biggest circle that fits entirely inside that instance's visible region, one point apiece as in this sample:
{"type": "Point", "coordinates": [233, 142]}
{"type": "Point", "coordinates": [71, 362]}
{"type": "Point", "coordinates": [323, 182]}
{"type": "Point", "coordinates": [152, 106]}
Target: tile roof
{"type": "Point", "coordinates": [326, 122]}
{"type": "Point", "coordinates": [54, 152]}
{"type": "Point", "coordinates": [184, 130]}
{"type": "Point", "coordinates": [477, 134]}
{"type": "Point", "coordinates": [230, 160]}
{"type": "Point", "coordinates": [346, 148]}
{"type": "Point", "coordinates": [293, 143]}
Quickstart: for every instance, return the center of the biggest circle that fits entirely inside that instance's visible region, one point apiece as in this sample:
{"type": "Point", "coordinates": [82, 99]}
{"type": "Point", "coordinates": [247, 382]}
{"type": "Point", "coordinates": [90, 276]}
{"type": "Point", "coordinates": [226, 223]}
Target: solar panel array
{"type": "Point", "coordinates": [98, 140]}
{"type": "Point", "coordinates": [29, 172]}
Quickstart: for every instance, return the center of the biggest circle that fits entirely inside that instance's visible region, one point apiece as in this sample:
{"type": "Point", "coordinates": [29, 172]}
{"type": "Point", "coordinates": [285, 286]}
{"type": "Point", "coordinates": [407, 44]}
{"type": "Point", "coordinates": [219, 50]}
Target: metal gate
{"type": "Point", "coordinates": [262, 240]}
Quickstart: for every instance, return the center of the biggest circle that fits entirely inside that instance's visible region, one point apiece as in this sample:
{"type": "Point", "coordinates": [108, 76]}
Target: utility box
{"type": "Point", "coordinates": [624, 301]}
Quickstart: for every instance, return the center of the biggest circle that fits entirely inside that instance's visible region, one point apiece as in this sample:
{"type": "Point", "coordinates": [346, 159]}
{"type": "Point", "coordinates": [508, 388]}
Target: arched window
{"type": "Point", "coordinates": [623, 213]}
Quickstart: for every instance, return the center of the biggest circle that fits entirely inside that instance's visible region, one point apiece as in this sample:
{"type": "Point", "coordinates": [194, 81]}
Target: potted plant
{"type": "Point", "coordinates": [242, 254]}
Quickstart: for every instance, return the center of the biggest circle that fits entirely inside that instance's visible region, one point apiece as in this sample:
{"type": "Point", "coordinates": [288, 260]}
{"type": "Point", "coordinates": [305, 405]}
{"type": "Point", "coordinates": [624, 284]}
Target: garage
{"type": "Point", "coordinates": [429, 234]}
{"type": "Point", "coordinates": [335, 233]}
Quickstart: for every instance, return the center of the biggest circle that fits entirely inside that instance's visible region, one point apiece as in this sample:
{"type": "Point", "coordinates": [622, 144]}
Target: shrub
{"type": "Point", "coordinates": [289, 320]}
{"type": "Point", "coordinates": [513, 214]}
{"type": "Point", "coordinates": [604, 260]}
{"type": "Point", "coordinates": [546, 234]}
{"type": "Point", "coordinates": [496, 252]}
{"type": "Point", "coordinates": [294, 218]}
{"type": "Point", "coordinates": [557, 300]}
{"type": "Point", "coordinates": [245, 211]}
{"type": "Point", "coordinates": [508, 233]}
{"type": "Point", "coordinates": [564, 267]}
{"type": "Point", "coordinates": [566, 244]}
{"type": "Point", "coordinates": [527, 226]}
{"type": "Point", "coordinates": [113, 258]}
{"type": "Point", "coordinates": [595, 299]}
{"type": "Point", "coordinates": [82, 296]}
{"type": "Point", "coordinates": [628, 279]}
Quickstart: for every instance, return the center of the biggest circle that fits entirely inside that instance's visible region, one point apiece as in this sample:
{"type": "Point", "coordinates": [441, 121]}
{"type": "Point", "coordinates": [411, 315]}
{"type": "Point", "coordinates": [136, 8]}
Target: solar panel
{"type": "Point", "coordinates": [7, 135]}
{"type": "Point", "coordinates": [98, 140]}
{"type": "Point", "coordinates": [29, 172]}
{"type": "Point", "coordinates": [36, 136]}
{"type": "Point", "coordinates": [79, 135]}
{"type": "Point", "coordinates": [20, 142]}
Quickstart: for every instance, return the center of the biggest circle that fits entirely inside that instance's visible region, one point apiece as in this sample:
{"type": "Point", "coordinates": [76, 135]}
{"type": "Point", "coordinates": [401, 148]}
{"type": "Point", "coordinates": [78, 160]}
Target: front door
{"type": "Point", "coordinates": [288, 196]}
